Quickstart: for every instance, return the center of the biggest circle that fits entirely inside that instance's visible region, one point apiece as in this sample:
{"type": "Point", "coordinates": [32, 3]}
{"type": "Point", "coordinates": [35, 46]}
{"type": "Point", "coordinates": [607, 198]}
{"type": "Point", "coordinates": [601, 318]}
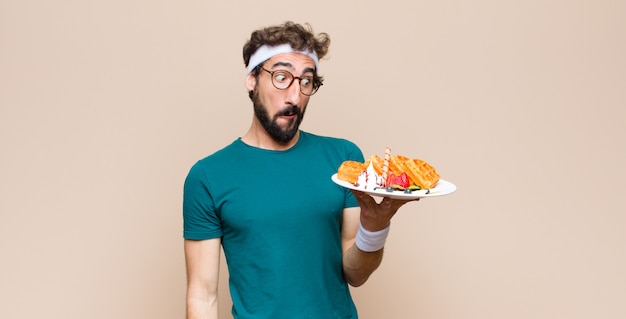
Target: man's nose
{"type": "Point", "coordinates": [293, 92]}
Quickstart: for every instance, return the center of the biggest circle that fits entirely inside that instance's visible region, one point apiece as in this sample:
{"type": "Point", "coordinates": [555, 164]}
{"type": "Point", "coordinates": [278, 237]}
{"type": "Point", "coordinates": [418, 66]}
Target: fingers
{"type": "Point", "coordinates": [387, 206]}
{"type": "Point", "coordinates": [364, 200]}
{"type": "Point", "coordinates": [395, 204]}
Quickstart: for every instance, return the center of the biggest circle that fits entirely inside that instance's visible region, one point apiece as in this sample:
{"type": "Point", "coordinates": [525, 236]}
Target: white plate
{"type": "Point", "coordinates": [443, 187]}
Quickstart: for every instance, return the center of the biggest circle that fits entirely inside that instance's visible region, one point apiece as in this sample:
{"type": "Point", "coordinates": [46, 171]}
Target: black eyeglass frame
{"type": "Point", "coordinates": [316, 83]}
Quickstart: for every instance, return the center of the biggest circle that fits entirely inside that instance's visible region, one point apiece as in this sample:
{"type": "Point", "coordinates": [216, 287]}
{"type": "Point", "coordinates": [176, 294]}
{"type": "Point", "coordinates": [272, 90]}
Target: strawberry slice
{"type": "Point", "coordinates": [401, 181]}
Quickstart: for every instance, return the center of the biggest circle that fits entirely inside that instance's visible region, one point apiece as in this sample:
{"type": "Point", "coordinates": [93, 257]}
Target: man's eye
{"type": "Point", "coordinates": [280, 77]}
{"type": "Point", "coordinates": [306, 82]}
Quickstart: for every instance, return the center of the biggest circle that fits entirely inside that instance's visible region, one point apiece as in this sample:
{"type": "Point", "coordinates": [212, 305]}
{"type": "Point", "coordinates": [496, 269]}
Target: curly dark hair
{"type": "Point", "coordinates": [300, 37]}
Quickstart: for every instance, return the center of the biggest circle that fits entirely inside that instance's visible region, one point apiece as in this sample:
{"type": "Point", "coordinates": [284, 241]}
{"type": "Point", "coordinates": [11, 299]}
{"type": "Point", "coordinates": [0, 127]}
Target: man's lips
{"type": "Point", "coordinates": [290, 112]}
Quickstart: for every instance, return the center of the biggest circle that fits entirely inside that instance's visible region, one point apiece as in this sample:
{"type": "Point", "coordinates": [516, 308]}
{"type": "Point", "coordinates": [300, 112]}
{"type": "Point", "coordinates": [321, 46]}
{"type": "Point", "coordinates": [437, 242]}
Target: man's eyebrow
{"type": "Point", "coordinates": [309, 70]}
{"type": "Point", "coordinates": [290, 66]}
{"type": "Point", "coordinates": [279, 63]}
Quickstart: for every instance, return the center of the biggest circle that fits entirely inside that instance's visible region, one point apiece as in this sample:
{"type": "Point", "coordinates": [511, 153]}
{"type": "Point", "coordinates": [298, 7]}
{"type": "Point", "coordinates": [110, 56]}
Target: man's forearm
{"type": "Point", "coordinates": [359, 265]}
{"type": "Point", "coordinates": [202, 308]}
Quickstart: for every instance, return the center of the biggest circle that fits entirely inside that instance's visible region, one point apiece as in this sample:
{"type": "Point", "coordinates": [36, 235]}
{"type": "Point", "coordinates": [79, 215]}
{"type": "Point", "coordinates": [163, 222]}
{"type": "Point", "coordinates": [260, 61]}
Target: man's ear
{"type": "Point", "coordinates": [250, 81]}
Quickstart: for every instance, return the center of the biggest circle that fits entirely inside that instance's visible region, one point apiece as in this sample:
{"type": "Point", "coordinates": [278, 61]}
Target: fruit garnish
{"type": "Point", "coordinates": [399, 182]}
{"type": "Point", "coordinates": [406, 190]}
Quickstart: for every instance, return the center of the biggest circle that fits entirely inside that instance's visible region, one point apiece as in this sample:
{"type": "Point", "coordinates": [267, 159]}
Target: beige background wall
{"type": "Point", "coordinates": [104, 106]}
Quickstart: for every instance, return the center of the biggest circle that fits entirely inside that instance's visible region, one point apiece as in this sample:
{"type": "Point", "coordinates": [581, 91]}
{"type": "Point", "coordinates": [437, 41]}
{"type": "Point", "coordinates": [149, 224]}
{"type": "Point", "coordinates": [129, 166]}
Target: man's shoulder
{"type": "Point", "coordinates": [224, 152]}
{"type": "Point", "coordinates": [342, 147]}
{"type": "Point", "coordinates": [218, 158]}
{"type": "Point", "coordinates": [328, 139]}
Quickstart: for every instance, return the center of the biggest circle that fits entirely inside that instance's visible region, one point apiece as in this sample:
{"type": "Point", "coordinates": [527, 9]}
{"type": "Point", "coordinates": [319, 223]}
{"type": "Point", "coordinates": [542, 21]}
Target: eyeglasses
{"type": "Point", "coordinates": [282, 79]}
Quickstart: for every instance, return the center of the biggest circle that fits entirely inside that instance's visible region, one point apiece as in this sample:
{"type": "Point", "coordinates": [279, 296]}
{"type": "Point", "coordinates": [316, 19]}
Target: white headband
{"type": "Point", "coordinates": [265, 52]}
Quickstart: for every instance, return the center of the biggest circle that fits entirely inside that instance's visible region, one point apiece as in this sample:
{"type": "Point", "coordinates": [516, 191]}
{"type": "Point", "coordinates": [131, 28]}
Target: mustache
{"type": "Point", "coordinates": [291, 110]}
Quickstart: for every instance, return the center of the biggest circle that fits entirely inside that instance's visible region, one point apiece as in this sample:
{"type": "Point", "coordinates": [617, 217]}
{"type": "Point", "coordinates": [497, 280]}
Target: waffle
{"type": "Point", "coordinates": [377, 163]}
{"type": "Point", "coordinates": [349, 171]}
{"type": "Point", "coordinates": [395, 164]}
{"type": "Point", "coordinates": [419, 172]}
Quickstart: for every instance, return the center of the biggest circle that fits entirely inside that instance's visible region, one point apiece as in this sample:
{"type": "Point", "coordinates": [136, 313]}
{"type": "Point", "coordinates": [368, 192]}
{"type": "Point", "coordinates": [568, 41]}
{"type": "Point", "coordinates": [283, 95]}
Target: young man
{"type": "Point", "coordinates": [293, 239]}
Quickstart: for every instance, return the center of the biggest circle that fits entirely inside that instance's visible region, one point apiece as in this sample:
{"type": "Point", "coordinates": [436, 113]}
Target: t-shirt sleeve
{"type": "Point", "coordinates": [200, 219]}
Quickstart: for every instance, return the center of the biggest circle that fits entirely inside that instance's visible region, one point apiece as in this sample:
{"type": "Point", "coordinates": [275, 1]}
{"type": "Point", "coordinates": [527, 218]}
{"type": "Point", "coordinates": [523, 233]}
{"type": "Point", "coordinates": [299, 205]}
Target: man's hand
{"type": "Point", "coordinates": [376, 216]}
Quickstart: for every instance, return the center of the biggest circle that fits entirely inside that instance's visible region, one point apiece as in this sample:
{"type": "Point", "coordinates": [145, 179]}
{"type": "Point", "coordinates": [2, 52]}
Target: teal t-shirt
{"type": "Point", "coordinates": [279, 216]}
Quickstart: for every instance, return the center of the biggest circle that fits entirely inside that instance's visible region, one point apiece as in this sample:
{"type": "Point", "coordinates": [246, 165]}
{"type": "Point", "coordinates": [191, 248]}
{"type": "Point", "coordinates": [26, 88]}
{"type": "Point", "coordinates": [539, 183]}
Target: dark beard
{"type": "Point", "coordinates": [272, 128]}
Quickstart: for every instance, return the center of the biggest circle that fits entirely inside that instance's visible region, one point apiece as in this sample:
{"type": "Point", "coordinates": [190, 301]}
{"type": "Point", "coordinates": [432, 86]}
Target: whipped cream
{"type": "Point", "coordinates": [368, 179]}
